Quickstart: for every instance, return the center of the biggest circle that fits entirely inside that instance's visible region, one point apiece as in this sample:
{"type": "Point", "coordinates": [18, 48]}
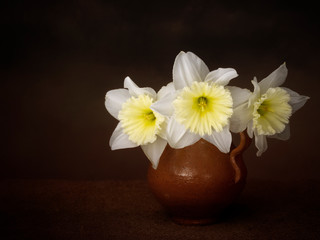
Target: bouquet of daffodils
{"type": "Point", "coordinates": [199, 103]}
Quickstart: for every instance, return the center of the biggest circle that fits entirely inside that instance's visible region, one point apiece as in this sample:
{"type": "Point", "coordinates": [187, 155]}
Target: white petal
{"type": "Point", "coordinates": [222, 140]}
{"type": "Point", "coordinates": [296, 100]}
{"type": "Point", "coordinates": [114, 100]}
{"type": "Point", "coordinates": [240, 118]}
{"type": "Point", "coordinates": [134, 90]}
{"type": "Point", "coordinates": [221, 76]}
{"type": "Point", "coordinates": [120, 140]}
{"type": "Point", "coordinates": [261, 143]}
{"type": "Point", "coordinates": [164, 105]}
{"type": "Point", "coordinates": [165, 90]}
{"type": "Point", "coordinates": [250, 129]}
{"type": "Point", "coordinates": [275, 79]}
{"type": "Point", "coordinates": [284, 135]}
{"type": "Point", "coordinates": [178, 136]}
{"type": "Point", "coordinates": [256, 92]}
{"type": "Point", "coordinates": [154, 150]}
{"type": "Point", "coordinates": [239, 95]}
{"type": "Point", "coordinates": [163, 130]}
{"type": "Point", "coordinates": [188, 68]}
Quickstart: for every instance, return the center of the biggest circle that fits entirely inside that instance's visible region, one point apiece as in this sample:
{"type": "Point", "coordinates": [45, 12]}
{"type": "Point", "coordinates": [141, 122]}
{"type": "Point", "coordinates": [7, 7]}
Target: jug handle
{"type": "Point", "coordinates": [245, 142]}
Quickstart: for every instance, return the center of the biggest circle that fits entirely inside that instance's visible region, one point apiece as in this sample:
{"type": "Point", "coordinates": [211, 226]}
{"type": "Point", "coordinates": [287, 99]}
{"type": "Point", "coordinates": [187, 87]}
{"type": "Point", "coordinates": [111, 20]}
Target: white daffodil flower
{"type": "Point", "coordinates": [267, 110]}
{"type": "Point", "coordinates": [139, 125]}
{"type": "Point", "coordinates": [201, 105]}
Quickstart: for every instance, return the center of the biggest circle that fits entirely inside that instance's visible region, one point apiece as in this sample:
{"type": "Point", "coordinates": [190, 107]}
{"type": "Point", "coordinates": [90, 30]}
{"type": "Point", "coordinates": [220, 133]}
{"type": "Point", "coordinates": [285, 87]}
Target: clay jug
{"type": "Point", "coordinates": [196, 183]}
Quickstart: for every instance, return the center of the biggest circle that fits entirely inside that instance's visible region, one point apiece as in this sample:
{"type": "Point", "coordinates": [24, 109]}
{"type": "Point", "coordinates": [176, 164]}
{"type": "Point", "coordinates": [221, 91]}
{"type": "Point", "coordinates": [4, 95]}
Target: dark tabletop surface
{"type": "Point", "coordinates": [64, 209]}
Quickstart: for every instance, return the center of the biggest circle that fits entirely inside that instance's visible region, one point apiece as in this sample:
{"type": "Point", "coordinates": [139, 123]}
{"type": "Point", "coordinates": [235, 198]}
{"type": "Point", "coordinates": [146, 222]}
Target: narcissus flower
{"type": "Point", "coordinates": [139, 125]}
{"type": "Point", "coordinates": [267, 110]}
{"type": "Point", "coordinates": [201, 106]}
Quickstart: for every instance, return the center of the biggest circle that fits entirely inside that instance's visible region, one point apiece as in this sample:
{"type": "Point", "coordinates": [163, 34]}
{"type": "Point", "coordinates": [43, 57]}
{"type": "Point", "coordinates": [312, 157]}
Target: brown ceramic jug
{"type": "Point", "coordinates": [196, 183]}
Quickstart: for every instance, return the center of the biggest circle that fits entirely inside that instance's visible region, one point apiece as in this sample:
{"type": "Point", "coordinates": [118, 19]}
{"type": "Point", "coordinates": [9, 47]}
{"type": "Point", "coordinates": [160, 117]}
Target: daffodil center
{"type": "Point", "coordinates": [149, 116]}
{"type": "Point", "coordinates": [272, 112]}
{"type": "Point", "coordinates": [138, 121]}
{"type": "Point", "coordinates": [263, 109]}
{"type": "Point", "coordinates": [202, 103]}
{"type": "Point", "coordinates": [203, 108]}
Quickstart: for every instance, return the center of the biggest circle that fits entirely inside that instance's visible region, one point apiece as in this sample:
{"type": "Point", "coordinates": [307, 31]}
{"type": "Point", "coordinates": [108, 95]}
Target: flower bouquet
{"type": "Point", "coordinates": [199, 110]}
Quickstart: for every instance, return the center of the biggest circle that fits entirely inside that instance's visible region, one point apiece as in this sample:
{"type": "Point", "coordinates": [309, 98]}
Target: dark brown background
{"type": "Point", "coordinates": [59, 59]}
